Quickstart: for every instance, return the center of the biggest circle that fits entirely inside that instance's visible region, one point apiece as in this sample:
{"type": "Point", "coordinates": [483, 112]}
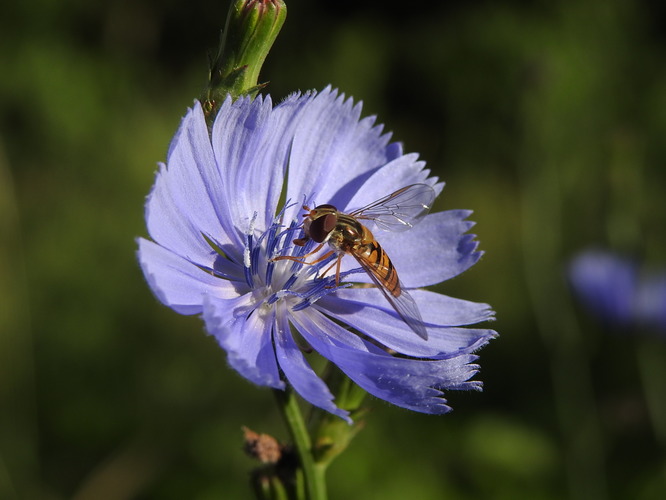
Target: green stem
{"type": "Point", "coordinates": [313, 473]}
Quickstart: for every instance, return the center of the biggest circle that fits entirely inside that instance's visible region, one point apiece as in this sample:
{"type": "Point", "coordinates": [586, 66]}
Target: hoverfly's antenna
{"type": "Point", "coordinates": [307, 201]}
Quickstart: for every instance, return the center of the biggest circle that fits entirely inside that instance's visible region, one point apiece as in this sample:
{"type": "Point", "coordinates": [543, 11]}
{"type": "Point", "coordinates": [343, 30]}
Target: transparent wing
{"type": "Point", "coordinates": [400, 210]}
{"type": "Point", "coordinates": [403, 304]}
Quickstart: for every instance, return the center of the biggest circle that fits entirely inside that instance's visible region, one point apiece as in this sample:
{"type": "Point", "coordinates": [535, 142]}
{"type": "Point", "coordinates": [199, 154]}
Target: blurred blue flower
{"type": "Point", "coordinates": [605, 283]}
{"type": "Point", "coordinates": [618, 291]}
{"type": "Point", "coordinates": [650, 301]}
{"type": "Point", "coordinates": [229, 200]}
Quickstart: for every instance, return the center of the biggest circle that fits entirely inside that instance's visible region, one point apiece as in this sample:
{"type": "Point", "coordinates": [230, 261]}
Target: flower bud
{"type": "Point", "coordinates": [251, 29]}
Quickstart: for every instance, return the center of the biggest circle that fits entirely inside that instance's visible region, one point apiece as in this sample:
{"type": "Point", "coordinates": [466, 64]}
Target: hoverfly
{"type": "Point", "coordinates": [345, 234]}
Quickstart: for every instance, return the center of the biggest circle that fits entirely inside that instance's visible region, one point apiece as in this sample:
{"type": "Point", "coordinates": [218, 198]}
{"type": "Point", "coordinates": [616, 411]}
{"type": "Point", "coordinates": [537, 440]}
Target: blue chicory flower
{"type": "Point", "coordinates": [651, 301]}
{"type": "Point", "coordinates": [229, 200]}
{"type": "Point", "coordinates": [618, 291]}
{"type": "Point", "coordinates": [606, 285]}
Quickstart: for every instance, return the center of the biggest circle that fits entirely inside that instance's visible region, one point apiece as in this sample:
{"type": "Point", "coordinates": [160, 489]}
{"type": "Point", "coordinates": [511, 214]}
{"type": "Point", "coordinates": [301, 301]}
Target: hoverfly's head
{"type": "Point", "coordinates": [319, 222]}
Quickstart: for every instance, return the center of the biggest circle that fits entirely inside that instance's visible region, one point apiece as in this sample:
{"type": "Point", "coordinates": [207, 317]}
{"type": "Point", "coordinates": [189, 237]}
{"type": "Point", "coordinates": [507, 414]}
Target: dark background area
{"type": "Point", "coordinates": [546, 118]}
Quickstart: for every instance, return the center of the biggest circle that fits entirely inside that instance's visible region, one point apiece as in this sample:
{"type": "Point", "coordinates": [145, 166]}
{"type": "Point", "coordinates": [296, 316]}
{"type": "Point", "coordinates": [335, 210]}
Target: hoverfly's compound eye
{"type": "Point", "coordinates": [321, 227]}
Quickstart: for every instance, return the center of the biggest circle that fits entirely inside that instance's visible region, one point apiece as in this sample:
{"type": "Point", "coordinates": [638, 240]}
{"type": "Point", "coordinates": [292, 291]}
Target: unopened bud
{"type": "Point", "coordinates": [251, 29]}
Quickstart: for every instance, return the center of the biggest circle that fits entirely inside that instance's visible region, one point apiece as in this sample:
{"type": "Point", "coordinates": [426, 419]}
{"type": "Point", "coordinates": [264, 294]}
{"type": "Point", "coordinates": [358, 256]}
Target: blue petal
{"type": "Point", "coordinates": [332, 142]}
{"type": "Point", "coordinates": [252, 143]}
{"type": "Point", "coordinates": [442, 310]}
{"type": "Point", "coordinates": [413, 384]}
{"type": "Point", "coordinates": [297, 370]}
{"type": "Point", "coordinates": [367, 311]}
{"type": "Point", "coordinates": [185, 201]}
{"type": "Point", "coordinates": [394, 175]}
{"type": "Point", "coordinates": [439, 239]}
{"type": "Point", "coordinates": [245, 333]}
{"type": "Point", "coordinates": [178, 283]}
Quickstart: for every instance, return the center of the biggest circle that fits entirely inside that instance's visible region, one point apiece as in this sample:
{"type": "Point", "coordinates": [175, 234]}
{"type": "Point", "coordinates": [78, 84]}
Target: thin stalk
{"type": "Point", "coordinates": [313, 473]}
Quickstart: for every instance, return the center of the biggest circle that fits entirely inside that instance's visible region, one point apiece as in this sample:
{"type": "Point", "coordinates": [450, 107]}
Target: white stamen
{"type": "Point", "coordinates": [247, 261]}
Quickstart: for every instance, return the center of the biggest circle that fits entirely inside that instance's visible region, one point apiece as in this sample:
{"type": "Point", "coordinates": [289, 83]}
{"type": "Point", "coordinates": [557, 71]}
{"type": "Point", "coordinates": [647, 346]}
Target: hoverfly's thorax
{"type": "Point", "coordinates": [325, 208]}
{"type": "Point", "coordinates": [351, 228]}
{"type": "Point", "coordinates": [347, 235]}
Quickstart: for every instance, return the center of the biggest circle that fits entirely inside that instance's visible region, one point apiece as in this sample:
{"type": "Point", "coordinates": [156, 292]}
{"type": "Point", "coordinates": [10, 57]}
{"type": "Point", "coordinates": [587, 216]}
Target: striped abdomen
{"type": "Point", "coordinates": [352, 237]}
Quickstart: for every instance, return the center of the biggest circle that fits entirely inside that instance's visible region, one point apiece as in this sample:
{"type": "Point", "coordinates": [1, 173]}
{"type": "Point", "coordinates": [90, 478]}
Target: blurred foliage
{"type": "Point", "coordinates": [546, 118]}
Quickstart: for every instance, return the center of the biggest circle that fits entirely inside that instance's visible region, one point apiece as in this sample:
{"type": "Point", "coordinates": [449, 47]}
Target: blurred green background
{"type": "Point", "coordinates": [547, 118]}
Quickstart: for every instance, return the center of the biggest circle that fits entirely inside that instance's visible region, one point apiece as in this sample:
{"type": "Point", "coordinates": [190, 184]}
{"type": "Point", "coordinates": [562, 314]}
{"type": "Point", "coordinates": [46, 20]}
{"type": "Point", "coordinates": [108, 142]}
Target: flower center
{"type": "Point", "coordinates": [295, 279]}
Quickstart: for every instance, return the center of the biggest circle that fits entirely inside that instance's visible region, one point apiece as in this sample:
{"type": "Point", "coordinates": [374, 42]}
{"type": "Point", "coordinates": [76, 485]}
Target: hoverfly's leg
{"type": "Point", "coordinates": [337, 269]}
{"type": "Point", "coordinates": [323, 257]}
{"type": "Point", "coordinates": [337, 274]}
{"type": "Point", "coordinates": [301, 259]}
